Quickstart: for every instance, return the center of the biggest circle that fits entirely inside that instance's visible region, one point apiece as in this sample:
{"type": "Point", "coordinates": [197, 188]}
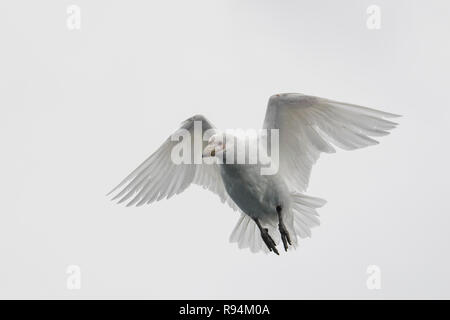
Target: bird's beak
{"type": "Point", "coordinates": [209, 151]}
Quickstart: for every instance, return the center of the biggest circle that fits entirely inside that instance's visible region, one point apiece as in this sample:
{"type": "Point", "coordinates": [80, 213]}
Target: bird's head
{"type": "Point", "coordinates": [216, 146]}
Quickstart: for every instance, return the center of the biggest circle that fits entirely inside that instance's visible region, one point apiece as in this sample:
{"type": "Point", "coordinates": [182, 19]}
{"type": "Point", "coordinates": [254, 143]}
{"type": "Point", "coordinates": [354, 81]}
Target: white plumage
{"type": "Point", "coordinates": [307, 126]}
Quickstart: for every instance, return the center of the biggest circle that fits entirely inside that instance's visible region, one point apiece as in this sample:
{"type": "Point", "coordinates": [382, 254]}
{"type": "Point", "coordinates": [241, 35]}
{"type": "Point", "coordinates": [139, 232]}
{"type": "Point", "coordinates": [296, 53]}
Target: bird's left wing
{"type": "Point", "coordinates": [310, 125]}
{"type": "Point", "coordinates": [160, 177]}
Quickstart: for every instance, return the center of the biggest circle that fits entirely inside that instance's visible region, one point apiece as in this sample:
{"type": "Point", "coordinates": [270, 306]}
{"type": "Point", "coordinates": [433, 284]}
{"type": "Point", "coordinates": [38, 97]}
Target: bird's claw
{"type": "Point", "coordinates": [269, 241]}
{"type": "Point", "coordinates": [284, 236]}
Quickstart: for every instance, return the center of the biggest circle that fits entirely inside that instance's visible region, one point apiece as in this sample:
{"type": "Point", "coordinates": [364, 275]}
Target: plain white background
{"type": "Point", "coordinates": [79, 109]}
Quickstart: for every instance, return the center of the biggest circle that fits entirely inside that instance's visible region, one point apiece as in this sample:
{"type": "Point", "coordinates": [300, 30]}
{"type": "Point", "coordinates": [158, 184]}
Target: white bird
{"type": "Point", "coordinates": [273, 207]}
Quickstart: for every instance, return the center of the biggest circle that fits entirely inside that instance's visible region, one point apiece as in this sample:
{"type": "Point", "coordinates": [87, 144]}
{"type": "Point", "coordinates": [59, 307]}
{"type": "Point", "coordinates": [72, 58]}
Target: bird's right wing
{"type": "Point", "coordinates": [311, 125]}
{"type": "Point", "coordinates": [160, 177]}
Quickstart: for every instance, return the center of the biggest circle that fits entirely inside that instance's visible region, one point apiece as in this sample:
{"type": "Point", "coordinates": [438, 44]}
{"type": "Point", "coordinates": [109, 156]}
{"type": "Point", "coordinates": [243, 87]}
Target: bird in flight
{"type": "Point", "coordinates": [274, 207]}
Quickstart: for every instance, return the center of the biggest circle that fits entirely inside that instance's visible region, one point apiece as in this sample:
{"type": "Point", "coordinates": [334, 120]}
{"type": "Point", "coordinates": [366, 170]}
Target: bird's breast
{"type": "Point", "coordinates": [255, 194]}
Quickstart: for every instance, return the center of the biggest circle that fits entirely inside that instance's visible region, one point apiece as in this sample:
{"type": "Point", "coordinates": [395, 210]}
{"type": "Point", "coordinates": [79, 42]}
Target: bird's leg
{"type": "Point", "coordinates": [283, 231]}
{"type": "Point", "coordinates": [266, 237]}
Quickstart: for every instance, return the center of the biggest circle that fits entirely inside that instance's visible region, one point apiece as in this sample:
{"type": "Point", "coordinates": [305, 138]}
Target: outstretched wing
{"type": "Point", "coordinates": [310, 125]}
{"type": "Point", "coordinates": [159, 177]}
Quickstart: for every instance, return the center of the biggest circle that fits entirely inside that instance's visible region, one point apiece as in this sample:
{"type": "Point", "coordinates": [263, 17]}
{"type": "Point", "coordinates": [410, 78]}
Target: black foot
{"type": "Point", "coordinates": [284, 236]}
{"type": "Point", "coordinates": [268, 240]}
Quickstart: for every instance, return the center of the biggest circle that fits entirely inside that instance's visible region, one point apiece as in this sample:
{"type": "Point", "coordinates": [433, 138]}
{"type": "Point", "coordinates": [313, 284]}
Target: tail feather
{"type": "Point", "coordinates": [247, 235]}
{"type": "Point", "coordinates": [300, 219]}
{"type": "Point", "coordinates": [305, 215]}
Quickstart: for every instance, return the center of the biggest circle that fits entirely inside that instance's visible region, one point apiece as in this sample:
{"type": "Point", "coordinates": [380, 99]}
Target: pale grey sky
{"type": "Point", "coordinates": [79, 109]}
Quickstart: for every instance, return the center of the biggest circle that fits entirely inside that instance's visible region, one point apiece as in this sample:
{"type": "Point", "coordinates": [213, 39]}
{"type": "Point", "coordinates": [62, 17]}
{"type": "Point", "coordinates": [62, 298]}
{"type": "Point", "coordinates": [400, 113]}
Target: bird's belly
{"type": "Point", "coordinates": [255, 194]}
